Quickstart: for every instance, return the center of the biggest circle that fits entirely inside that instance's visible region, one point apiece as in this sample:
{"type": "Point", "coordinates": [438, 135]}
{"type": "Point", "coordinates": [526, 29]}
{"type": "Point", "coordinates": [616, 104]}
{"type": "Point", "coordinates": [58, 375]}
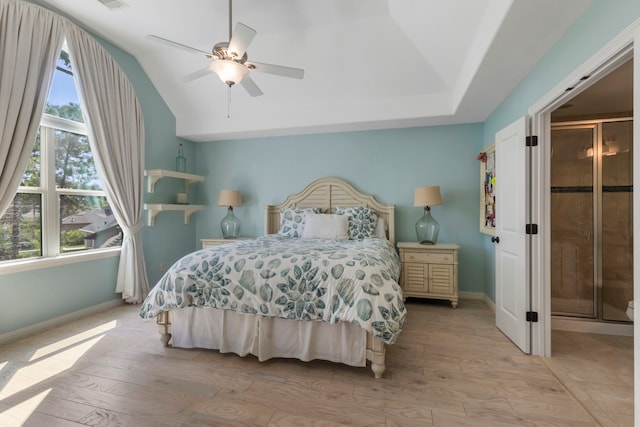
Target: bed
{"type": "Point", "coordinates": [292, 293]}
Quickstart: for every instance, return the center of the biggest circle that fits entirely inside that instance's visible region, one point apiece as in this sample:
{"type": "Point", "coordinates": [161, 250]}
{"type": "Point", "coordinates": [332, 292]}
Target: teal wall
{"type": "Point", "coordinates": [388, 164]}
{"type": "Point", "coordinates": [603, 21]}
{"type": "Point", "coordinates": [42, 294]}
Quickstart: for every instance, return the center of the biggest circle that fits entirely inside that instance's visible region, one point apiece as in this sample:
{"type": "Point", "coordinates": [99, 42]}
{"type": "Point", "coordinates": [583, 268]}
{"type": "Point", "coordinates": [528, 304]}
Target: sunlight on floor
{"type": "Point", "coordinates": [38, 372]}
{"type": "Point", "coordinates": [45, 363]}
{"type": "Point", "coordinates": [67, 342]}
{"type": "Point", "coordinates": [18, 414]}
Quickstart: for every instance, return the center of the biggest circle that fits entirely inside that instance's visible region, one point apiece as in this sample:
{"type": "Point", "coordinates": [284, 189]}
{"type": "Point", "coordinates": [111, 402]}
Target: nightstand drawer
{"type": "Point", "coordinates": [427, 257]}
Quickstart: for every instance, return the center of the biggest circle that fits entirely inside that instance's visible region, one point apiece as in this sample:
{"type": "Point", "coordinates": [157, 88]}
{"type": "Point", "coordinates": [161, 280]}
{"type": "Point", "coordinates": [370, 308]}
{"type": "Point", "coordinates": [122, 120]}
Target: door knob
{"type": "Point", "coordinates": [495, 239]}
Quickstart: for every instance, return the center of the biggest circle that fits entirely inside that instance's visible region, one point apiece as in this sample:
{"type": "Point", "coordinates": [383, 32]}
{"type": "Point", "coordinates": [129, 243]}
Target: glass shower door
{"type": "Point", "coordinates": [573, 290]}
{"type": "Point", "coordinates": [617, 219]}
{"type": "Point", "coordinates": [592, 219]}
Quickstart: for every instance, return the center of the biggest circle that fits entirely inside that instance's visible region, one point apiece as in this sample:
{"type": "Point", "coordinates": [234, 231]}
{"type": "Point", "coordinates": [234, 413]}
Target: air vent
{"type": "Point", "coordinates": [114, 4]}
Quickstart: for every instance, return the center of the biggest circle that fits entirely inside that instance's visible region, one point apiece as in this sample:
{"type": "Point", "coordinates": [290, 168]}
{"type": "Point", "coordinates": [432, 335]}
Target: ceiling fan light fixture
{"type": "Point", "coordinates": [230, 72]}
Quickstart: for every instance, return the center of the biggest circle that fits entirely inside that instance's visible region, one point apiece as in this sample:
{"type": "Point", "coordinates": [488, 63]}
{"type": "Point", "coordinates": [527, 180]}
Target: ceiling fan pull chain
{"type": "Point", "coordinates": [229, 102]}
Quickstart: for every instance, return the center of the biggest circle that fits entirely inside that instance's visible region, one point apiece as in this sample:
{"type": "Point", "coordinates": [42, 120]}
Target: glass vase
{"type": "Point", "coordinates": [427, 228]}
{"type": "Point", "coordinates": [230, 225]}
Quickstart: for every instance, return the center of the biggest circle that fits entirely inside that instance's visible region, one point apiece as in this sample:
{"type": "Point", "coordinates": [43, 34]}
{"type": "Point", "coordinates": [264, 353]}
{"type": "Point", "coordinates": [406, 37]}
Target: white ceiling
{"type": "Point", "coordinates": [369, 64]}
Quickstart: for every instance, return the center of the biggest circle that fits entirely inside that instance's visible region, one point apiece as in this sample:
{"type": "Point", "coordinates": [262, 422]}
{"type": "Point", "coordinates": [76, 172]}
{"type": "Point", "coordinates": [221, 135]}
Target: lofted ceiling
{"type": "Point", "coordinates": [369, 64]}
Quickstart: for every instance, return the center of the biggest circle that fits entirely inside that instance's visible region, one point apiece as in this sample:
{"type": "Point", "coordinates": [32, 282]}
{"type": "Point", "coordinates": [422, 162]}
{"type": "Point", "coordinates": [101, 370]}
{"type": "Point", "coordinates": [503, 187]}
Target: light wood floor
{"type": "Point", "coordinates": [449, 368]}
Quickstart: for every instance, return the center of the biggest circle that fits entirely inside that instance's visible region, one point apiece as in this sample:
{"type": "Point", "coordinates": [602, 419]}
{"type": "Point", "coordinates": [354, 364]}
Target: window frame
{"type": "Point", "coordinates": [50, 204]}
{"type": "Point", "coordinates": [30, 264]}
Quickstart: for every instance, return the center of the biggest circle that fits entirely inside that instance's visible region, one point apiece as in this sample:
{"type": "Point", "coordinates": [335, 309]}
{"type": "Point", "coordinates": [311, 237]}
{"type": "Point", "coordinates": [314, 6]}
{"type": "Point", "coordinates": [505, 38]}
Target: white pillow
{"type": "Point", "coordinates": [319, 226]}
{"type": "Point", "coordinates": [381, 228]}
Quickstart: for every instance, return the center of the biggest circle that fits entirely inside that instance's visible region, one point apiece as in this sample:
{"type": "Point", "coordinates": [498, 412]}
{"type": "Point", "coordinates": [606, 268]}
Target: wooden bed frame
{"type": "Point", "coordinates": [327, 193]}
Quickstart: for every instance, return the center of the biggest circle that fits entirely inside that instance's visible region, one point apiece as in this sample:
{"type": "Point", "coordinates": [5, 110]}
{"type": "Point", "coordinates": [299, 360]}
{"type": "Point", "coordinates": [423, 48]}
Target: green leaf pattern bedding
{"type": "Point", "coordinates": [305, 279]}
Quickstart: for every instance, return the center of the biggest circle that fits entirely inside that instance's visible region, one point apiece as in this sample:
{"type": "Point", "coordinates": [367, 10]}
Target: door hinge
{"type": "Point", "coordinates": [531, 229]}
{"type": "Point", "coordinates": [532, 316]}
{"type": "Point", "coordinates": [531, 141]}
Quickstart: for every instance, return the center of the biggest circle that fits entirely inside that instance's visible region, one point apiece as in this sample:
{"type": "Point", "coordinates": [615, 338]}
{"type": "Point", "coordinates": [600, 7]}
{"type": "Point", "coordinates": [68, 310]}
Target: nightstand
{"type": "Point", "coordinates": [429, 271]}
{"type": "Point", "coordinates": [209, 243]}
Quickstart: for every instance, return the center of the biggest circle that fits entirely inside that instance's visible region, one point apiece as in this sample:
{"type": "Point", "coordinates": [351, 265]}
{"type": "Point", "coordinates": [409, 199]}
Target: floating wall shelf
{"type": "Point", "coordinates": [154, 209]}
{"type": "Point", "coordinates": [155, 175]}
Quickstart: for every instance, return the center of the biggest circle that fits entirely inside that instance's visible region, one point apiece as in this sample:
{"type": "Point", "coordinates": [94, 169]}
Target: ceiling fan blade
{"type": "Point", "coordinates": [250, 86]}
{"type": "Point", "coordinates": [197, 74]}
{"type": "Point", "coordinates": [241, 39]}
{"type": "Point", "coordinates": [177, 45]}
{"type": "Point", "coordinates": [296, 73]}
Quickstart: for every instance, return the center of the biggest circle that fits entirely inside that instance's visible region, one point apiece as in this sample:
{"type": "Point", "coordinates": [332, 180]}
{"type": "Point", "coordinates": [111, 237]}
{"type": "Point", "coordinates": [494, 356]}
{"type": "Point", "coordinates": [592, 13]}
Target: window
{"type": "Point", "coordinates": [60, 206]}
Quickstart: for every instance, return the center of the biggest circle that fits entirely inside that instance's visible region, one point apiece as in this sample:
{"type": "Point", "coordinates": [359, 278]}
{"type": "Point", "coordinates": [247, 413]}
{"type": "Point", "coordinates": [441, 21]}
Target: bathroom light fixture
{"type": "Point", "coordinates": [230, 224]}
{"type": "Point", "coordinates": [608, 149]}
{"type": "Point", "coordinates": [427, 228]}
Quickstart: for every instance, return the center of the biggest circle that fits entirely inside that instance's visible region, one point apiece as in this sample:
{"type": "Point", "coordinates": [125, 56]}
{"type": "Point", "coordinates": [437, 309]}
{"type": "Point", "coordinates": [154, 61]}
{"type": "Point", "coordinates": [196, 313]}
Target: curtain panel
{"type": "Point", "coordinates": [116, 135]}
{"type": "Point", "coordinates": [30, 41]}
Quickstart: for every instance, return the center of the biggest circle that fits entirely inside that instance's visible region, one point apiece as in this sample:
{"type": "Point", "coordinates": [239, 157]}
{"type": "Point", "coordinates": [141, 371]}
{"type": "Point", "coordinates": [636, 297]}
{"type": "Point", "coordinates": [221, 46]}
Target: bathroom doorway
{"type": "Point", "coordinates": [591, 206]}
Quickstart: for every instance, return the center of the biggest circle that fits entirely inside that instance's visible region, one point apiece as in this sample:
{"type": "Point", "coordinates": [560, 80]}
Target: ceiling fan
{"type": "Point", "coordinates": [230, 62]}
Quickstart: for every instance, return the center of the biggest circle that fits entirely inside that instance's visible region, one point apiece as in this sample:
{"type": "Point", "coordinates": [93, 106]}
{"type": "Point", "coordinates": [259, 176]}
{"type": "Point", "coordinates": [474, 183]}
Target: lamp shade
{"type": "Point", "coordinates": [427, 196]}
{"type": "Point", "coordinates": [229, 198]}
{"type": "Point", "coordinates": [230, 72]}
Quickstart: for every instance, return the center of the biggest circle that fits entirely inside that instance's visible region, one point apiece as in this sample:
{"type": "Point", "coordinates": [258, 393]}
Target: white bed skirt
{"type": "Point", "coordinates": [266, 338]}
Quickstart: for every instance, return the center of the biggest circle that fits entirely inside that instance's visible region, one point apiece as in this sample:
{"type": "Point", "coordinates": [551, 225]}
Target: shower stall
{"type": "Point", "coordinates": [592, 219]}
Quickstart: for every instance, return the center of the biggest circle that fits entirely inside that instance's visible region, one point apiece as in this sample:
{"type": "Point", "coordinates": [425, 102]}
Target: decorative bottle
{"type": "Point", "coordinates": [181, 160]}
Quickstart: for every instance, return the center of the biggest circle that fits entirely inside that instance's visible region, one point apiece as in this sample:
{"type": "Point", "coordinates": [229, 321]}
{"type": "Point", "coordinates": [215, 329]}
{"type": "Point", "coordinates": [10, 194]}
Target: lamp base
{"type": "Point", "coordinates": [230, 225]}
{"type": "Point", "coordinates": [427, 228]}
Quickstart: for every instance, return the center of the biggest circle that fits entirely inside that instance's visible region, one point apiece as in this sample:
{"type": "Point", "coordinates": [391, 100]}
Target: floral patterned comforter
{"type": "Point", "coordinates": [305, 279]}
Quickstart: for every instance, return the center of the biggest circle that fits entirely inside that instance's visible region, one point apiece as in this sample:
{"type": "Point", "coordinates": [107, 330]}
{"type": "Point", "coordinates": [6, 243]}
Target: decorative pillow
{"type": "Point", "coordinates": [320, 226]}
{"type": "Point", "coordinates": [362, 222]}
{"type": "Point", "coordinates": [292, 220]}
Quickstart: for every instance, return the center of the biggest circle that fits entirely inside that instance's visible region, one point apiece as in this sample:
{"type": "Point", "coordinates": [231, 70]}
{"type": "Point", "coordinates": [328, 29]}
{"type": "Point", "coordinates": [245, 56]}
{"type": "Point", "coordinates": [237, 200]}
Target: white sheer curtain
{"type": "Point", "coordinates": [30, 41]}
{"type": "Point", "coordinates": [116, 134]}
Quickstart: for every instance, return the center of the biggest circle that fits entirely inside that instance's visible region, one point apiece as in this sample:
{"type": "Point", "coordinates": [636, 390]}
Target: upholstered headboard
{"type": "Point", "coordinates": [329, 193]}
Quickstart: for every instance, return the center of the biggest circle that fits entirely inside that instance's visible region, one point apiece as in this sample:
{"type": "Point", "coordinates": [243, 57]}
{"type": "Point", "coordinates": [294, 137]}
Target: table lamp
{"type": "Point", "coordinates": [427, 227]}
{"type": "Point", "coordinates": [230, 224]}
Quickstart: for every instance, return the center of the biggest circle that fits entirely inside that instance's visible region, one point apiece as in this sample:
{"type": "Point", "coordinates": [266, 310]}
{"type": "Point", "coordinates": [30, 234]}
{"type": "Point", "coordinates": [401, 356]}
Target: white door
{"type": "Point", "coordinates": [512, 281]}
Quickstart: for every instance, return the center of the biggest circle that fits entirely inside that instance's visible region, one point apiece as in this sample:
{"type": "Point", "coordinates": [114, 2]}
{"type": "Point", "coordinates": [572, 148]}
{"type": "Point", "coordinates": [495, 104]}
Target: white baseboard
{"type": "Point", "coordinates": [491, 304]}
{"type": "Point", "coordinates": [588, 326]}
{"type": "Point", "coordinates": [57, 321]}
{"type": "Point", "coordinates": [480, 296]}
{"type": "Point", "coordinates": [471, 295]}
